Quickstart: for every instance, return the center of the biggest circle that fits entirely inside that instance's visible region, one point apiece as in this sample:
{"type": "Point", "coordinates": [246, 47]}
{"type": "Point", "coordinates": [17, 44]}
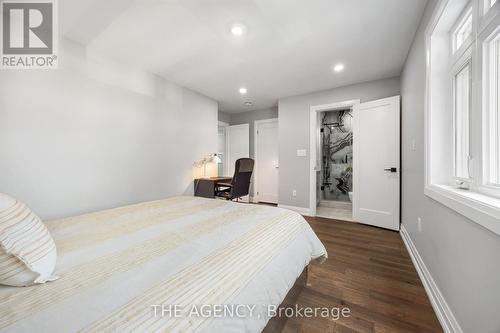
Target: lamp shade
{"type": "Point", "coordinates": [216, 159]}
{"type": "Point", "coordinates": [198, 171]}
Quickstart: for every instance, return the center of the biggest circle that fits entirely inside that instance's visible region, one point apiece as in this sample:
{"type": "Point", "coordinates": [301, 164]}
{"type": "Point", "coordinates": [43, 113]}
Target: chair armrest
{"type": "Point", "coordinates": [224, 185]}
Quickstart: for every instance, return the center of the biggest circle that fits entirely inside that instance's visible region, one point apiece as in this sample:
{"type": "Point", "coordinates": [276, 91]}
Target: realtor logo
{"type": "Point", "coordinates": [29, 34]}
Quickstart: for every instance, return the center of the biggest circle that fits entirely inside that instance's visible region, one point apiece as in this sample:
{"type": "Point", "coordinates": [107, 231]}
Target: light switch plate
{"type": "Point", "coordinates": [301, 152]}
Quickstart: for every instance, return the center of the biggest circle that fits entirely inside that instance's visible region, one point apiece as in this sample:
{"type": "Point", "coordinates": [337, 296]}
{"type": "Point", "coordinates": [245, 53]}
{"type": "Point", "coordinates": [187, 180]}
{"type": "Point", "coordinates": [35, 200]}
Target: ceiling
{"type": "Point", "coordinates": [289, 48]}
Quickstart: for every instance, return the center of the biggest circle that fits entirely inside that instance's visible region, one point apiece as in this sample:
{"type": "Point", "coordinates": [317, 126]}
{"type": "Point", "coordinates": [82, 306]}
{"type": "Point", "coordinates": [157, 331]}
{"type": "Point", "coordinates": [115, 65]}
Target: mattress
{"type": "Point", "coordinates": [183, 264]}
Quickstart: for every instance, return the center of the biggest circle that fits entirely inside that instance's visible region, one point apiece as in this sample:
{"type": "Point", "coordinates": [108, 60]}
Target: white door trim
{"type": "Point", "coordinates": [312, 145]}
{"type": "Point", "coordinates": [256, 124]}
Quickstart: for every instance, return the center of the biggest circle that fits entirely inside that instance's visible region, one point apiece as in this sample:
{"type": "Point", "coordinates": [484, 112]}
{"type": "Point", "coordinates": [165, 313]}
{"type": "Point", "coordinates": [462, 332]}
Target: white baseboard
{"type": "Point", "coordinates": [443, 311]}
{"type": "Point", "coordinates": [301, 210]}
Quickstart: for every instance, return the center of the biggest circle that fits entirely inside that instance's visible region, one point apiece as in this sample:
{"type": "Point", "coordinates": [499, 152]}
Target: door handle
{"type": "Point", "coordinates": [391, 169]}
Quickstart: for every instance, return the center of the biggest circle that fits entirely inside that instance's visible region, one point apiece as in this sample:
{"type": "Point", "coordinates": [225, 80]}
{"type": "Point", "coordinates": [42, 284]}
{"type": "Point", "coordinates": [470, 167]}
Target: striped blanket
{"type": "Point", "coordinates": [117, 267]}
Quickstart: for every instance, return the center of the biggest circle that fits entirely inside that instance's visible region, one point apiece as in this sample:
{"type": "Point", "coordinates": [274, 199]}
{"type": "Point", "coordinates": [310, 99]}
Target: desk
{"type": "Point", "coordinates": [205, 187]}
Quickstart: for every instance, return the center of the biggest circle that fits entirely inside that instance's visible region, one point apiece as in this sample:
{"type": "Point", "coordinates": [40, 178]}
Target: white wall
{"type": "Point", "coordinates": [294, 113]}
{"type": "Point", "coordinates": [462, 257]}
{"type": "Point", "coordinates": [96, 134]}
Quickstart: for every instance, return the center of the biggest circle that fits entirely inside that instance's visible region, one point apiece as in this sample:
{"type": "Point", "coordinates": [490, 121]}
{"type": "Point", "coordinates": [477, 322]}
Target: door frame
{"type": "Point", "coordinates": [313, 125]}
{"type": "Point", "coordinates": [256, 124]}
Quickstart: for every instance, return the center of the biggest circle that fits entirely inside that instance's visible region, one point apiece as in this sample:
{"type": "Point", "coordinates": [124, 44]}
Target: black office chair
{"type": "Point", "coordinates": [240, 184]}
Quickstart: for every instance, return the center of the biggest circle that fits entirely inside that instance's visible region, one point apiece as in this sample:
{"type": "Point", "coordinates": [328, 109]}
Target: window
{"type": "Point", "coordinates": [462, 157]}
{"type": "Point", "coordinates": [462, 93]}
{"type": "Point", "coordinates": [492, 113]}
{"type": "Point", "coordinates": [463, 30]}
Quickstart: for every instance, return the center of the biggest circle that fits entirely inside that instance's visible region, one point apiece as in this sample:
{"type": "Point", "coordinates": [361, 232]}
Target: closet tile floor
{"type": "Point", "coordinates": [335, 210]}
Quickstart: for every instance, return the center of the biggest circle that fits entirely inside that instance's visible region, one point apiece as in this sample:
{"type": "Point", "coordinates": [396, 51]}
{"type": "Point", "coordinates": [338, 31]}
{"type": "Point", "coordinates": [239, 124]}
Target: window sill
{"type": "Point", "coordinates": [480, 208]}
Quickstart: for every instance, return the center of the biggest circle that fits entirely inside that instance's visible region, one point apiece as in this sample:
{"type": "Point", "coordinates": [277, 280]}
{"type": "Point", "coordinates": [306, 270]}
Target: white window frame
{"type": "Point", "coordinates": [480, 203]}
{"type": "Point", "coordinates": [489, 11]}
{"type": "Point", "coordinates": [494, 109]}
{"type": "Point", "coordinates": [460, 23]}
{"type": "Point", "coordinates": [457, 69]}
{"type": "Point", "coordinates": [487, 5]}
{"type": "Point", "coordinates": [491, 108]}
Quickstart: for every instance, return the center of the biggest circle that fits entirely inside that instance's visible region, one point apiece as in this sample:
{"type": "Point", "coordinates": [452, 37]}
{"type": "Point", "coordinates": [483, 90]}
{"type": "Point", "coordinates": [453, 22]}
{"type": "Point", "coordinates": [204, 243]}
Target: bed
{"type": "Point", "coordinates": [178, 265]}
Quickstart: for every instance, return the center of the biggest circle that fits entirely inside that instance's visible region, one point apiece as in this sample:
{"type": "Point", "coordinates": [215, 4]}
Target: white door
{"type": "Point", "coordinates": [376, 164]}
{"type": "Point", "coordinates": [221, 148]}
{"type": "Point", "coordinates": [237, 146]}
{"type": "Point", "coordinates": [266, 159]}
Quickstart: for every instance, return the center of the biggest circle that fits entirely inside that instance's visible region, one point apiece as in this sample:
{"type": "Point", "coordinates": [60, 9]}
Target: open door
{"type": "Point", "coordinates": [376, 163]}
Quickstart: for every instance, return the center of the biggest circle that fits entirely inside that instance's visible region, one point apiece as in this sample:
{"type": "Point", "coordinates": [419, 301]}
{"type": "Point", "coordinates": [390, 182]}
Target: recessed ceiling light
{"type": "Point", "coordinates": [338, 68]}
{"type": "Point", "coordinates": [238, 29]}
{"type": "Point", "coordinates": [243, 90]}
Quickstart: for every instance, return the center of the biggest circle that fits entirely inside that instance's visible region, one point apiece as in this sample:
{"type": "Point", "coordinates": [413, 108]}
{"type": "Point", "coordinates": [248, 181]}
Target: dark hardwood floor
{"type": "Point", "coordinates": [369, 271]}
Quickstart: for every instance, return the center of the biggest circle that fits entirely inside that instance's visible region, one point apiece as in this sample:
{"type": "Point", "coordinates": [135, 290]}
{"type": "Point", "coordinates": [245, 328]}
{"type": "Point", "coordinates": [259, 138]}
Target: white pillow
{"type": "Point", "coordinates": [27, 250]}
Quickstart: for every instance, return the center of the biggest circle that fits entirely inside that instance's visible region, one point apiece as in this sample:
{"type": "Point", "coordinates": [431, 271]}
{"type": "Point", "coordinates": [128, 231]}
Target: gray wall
{"type": "Point", "coordinates": [462, 257]}
{"type": "Point", "coordinates": [294, 114]}
{"type": "Point", "coordinates": [95, 134]}
{"type": "Point", "coordinates": [249, 118]}
{"type": "Point", "coordinates": [223, 116]}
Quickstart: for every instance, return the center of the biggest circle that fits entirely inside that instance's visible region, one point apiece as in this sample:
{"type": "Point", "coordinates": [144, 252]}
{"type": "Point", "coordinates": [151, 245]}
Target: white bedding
{"type": "Point", "coordinates": [116, 264]}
